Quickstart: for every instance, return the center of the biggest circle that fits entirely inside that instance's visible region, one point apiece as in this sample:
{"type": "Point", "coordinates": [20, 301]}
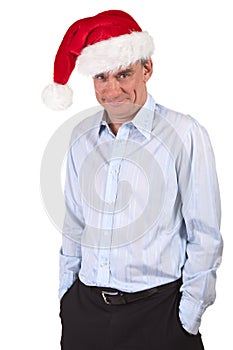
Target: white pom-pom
{"type": "Point", "coordinates": [57, 97]}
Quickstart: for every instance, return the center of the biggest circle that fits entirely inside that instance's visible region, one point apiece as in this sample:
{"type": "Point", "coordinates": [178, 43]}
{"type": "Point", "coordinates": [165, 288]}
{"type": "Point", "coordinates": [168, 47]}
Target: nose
{"type": "Point", "coordinates": [112, 88]}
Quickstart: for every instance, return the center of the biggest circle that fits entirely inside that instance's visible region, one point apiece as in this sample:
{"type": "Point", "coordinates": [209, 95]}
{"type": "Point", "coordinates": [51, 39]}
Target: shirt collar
{"type": "Point", "coordinates": [143, 120]}
{"type": "Point", "coordinates": [103, 122]}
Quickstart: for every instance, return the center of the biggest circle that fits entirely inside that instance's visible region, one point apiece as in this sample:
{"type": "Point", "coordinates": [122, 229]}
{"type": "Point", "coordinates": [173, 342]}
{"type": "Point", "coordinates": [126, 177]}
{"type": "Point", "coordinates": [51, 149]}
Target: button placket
{"type": "Point", "coordinates": [117, 154]}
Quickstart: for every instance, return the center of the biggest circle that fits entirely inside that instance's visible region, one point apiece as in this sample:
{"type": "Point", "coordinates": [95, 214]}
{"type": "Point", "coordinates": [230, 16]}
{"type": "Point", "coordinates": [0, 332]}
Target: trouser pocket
{"type": "Point", "coordinates": [190, 341]}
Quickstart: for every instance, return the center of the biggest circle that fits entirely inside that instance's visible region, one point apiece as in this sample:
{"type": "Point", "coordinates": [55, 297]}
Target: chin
{"type": "Point", "coordinates": [118, 112]}
{"type": "Point", "coordinates": [121, 109]}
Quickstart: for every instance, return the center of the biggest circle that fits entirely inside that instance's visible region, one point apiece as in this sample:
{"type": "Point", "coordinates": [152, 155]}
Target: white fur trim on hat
{"type": "Point", "coordinates": [57, 97]}
{"type": "Point", "coordinates": [111, 54]}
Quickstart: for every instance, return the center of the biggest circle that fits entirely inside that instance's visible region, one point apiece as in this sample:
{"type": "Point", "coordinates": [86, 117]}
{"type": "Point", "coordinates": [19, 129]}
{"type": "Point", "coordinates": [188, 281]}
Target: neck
{"type": "Point", "coordinates": [115, 122]}
{"type": "Point", "coordinates": [115, 127]}
{"type": "Point", "coordinates": [126, 114]}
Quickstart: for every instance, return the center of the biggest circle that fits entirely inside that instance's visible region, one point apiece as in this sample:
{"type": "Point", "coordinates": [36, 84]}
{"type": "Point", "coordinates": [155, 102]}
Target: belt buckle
{"type": "Point", "coordinates": [106, 294]}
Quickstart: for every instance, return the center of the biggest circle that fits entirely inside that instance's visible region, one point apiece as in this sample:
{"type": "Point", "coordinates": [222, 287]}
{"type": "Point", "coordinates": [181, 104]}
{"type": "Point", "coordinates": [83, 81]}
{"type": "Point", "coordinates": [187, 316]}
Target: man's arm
{"type": "Point", "coordinates": [201, 211]}
{"type": "Point", "coordinates": [70, 253]}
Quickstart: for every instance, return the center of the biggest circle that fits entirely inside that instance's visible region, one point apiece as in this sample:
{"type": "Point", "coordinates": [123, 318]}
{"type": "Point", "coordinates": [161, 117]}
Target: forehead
{"type": "Point", "coordinates": [129, 68]}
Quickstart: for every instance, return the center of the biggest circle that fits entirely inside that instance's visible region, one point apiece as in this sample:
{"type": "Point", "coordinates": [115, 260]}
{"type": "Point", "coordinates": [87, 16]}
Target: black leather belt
{"type": "Point", "coordinates": [116, 297]}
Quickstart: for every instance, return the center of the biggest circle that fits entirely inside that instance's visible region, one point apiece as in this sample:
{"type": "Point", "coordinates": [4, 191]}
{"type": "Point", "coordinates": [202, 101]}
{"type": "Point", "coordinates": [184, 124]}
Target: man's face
{"type": "Point", "coordinates": [123, 92]}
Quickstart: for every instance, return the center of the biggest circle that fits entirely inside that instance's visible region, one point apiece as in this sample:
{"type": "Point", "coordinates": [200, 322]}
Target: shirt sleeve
{"type": "Point", "coordinates": [70, 252]}
{"type": "Point", "coordinates": [201, 211]}
{"type": "Point", "coordinates": [69, 267]}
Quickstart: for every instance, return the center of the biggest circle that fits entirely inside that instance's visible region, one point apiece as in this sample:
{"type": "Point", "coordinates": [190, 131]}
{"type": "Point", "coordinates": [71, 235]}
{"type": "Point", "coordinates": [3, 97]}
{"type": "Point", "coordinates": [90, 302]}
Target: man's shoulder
{"type": "Point", "coordinates": [175, 117]}
{"type": "Point", "coordinates": [180, 122]}
{"type": "Point", "coordinates": [87, 122]}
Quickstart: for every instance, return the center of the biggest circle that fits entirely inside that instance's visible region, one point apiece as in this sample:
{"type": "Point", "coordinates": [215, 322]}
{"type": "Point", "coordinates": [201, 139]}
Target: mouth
{"type": "Point", "coordinates": [116, 103]}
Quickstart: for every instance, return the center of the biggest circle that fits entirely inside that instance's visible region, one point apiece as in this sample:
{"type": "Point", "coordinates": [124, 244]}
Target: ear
{"type": "Point", "coordinates": [147, 70]}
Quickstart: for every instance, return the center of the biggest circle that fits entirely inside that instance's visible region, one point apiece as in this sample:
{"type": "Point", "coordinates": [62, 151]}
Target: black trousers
{"type": "Point", "coordinates": [152, 323]}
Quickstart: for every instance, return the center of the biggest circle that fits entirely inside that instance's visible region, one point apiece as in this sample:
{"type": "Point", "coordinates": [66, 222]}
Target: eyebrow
{"type": "Point", "coordinates": [125, 71]}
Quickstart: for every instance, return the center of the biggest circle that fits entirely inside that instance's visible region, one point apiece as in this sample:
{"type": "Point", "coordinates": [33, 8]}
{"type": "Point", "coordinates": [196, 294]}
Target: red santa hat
{"type": "Point", "coordinates": [102, 43]}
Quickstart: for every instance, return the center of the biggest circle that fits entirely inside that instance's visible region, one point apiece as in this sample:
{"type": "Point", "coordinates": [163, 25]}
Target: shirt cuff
{"type": "Point", "coordinates": [190, 314]}
{"type": "Point", "coordinates": [65, 283]}
{"type": "Point", "coordinates": [69, 268]}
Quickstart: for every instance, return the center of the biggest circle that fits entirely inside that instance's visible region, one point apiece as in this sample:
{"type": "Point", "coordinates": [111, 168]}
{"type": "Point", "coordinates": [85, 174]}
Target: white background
{"type": "Point", "coordinates": [192, 74]}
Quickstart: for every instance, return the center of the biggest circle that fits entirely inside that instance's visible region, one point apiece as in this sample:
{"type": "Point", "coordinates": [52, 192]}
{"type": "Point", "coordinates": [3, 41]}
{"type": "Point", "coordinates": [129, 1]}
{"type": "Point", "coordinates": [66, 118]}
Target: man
{"type": "Point", "coordinates": [141, 241]}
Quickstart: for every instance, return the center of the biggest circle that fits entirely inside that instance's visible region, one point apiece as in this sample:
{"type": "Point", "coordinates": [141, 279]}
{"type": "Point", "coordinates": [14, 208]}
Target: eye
{"type": "Point", "coordinates": [99, 77]}
{"type": "Point", "coordinates": [123, 75]}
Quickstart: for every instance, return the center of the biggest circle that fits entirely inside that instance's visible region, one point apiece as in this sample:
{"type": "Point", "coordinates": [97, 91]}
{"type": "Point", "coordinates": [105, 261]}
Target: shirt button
{"type": "Point", "coordinates": [103, 264]}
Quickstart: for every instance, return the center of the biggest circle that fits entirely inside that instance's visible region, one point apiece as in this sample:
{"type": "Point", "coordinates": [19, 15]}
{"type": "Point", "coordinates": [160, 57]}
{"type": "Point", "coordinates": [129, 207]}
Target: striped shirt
{"type": "Point", "coordinates": [143, 208]}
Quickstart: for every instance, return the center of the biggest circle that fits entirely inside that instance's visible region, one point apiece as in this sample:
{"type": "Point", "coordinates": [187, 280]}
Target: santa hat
{"type": "Point", "coordinates": [102, 43]}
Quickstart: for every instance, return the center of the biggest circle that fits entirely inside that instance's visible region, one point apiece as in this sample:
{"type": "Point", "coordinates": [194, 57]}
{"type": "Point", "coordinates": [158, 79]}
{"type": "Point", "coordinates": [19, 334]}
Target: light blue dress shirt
{"type": "Point", "coordinates": [143, 208]}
